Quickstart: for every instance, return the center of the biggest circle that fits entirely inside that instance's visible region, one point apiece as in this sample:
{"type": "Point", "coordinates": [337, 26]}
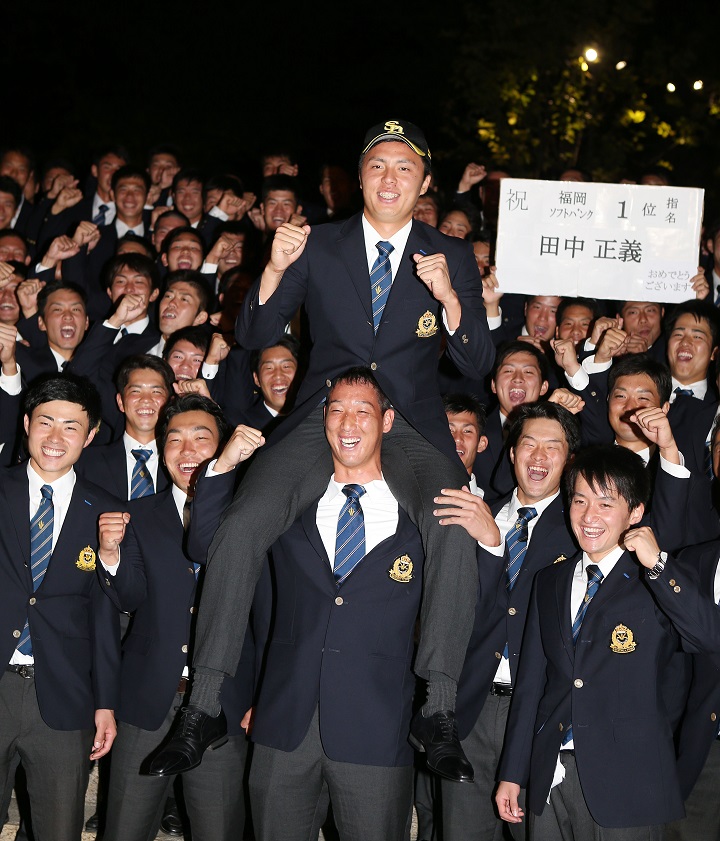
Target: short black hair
{"type": "Point", "coordinates": [10, 185]}
{"type": "Point", "coordinates": [178, 214]}
{"type": "Point", "coordinates": [197, 336]}
{"type": "Point", "coordinates": [25, 151]}
{"type": "Point", "coordinates": [607, 468]}
{"type": "Point", "coordinates": [163, 149]}
{"type": "Point", "coordinates": [138, 263]}
{"type": "Point", "coordinates": [190, 403]}
{"type": "Point", "coordinates": [129, 171]}
{"type": "Point", "coordinates": [194, 279]}
{"type": "Point", "coordinates": [634, 364]}
{"type": "Point", "coordinates": [287, 341]}
{"type": "Point", "coordinates": [141, 241]}
{"type": "Point", "coordinates": [185, 230]}
{"type": "Point", "coordinates": [280, 182]}
{"type": "Point", "coordinates": [57, 286]}
{"type": "Point", "coordinates": [457, 403]}
{"type": "Point", "coordinates": [227, 183]}
{"type": "Point", "coordinates": [68, 387]}
{"type": "Point", "coordinates": [117, 150]}
{"type": "Point", "coordinates": [361, 375]}
{"type": "Point", "coordinates": [510, 348]}
{"type": "Point", "coordinates": [546, 411]}
{"type": "Point", "coordinates": [701, 311]}
{"type": "Point", "coordinates": [188, 174]}
{"type": "Point", "coordinates": [11, 232]}
{"type": "Point", "coordinates": [142, 362]}
{"type": "Point", "coordinates": [589, 303]}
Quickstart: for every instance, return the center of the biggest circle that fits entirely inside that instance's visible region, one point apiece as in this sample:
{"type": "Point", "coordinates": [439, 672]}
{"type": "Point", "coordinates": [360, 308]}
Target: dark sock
{"type": "Point", "coordinates": [442, 691]}
{"type": "Point", "coordinates": [205, 694]}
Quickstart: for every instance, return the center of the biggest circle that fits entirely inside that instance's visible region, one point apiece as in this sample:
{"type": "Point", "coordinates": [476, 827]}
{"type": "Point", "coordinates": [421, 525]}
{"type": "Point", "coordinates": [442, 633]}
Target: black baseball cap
{"type": "Point", "coordinates": [398, 130]}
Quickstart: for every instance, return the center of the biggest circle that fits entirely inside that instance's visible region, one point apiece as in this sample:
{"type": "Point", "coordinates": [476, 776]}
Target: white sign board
{"type": "Point", "coordinates": [616, 241]}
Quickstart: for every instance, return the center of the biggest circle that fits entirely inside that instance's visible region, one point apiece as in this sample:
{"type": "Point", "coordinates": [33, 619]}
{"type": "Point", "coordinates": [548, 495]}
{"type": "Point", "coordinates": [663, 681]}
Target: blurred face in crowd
{"type": "Point", "coordinates": [180, 307]}
{"type": "Point", "coordinates": [191, 440]}
{"type": "Point", "coordinates": [540, 316]}
{"type": "Point", "coordinates": [630, 394]}
{"type": "Point", "coordinates": [336, 187]}
{"type": "Point", "coordinates": [690, 349]}
{"type": "Point", "coordinates": [65, 321]}
{"type": "Point", "coordinates": [273, 164]}
{"type": "Point", "coordinates": [481, 250]}
{"type": "Point", "coordinates": [575, 323]}
{"type": "Point", "coordinates": [51, 174]}
{"type": "Point", "coordinates": [644, 319]}
{"type": "Point", "coordinates": [278, 207]}
{"type": "Point", "coordinates": [456, 224]}
{"type": "Point", "coordinates": [162, 167]}
{"type": "Point", "coordinates": [276, 371]}
{"type": "Point", "coordinates": [17, 166]}
{"type": "Point", "coordinates": [185, 359]}
{"type": "Point", "coordinates": [185, 252]}
{"type": "Point", "coordinates": [465, 431]}
{"type": "Point", "coordinates": [9, 305]}
{"type": "Point", "coordinates": [165, 223]}
{"type": "Point", "coordinates": [104, 170]}
{"type": "Point", "coordinates": [518, 380]}
{"type": "Point", "coordinates": [13, 248]}
{"type": "Point", "coordinates": [8, 206]}
{"type": "Point", "coordinates": [141, 400]}
{"type": "Point", "coordinates": [188, 199]}
{"type": "Point", "coordinates": [426, 211]}
{"type": "Point", "coordinates": [129, 196]}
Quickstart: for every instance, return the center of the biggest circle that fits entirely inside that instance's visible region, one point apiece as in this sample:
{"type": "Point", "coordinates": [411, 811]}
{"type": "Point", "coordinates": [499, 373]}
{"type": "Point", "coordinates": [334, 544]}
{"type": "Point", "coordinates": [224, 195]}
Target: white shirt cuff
{"type": "Point", "coordinates": [498, 551]}
{"type": "Point", "coordinates": [209, 371]}
{"type": "Point", "coordinates": [111, 570]}
{"type": "Point", "coordinates": [11, 385]}
{"type": "Point", "coordinates": [210, 471]}
{"type": "Point", "coordinates": [208, 268]}
{"type": "Point", "coordinates": [495, 322]}
{"type": "Point", "coordinates": [677, 470]}
{"type": "Point", "coordinates": [218, 214]}
{"type": "Point", "coordinates": [579, 380]}
{"type": "Point", "coordinates": [593, 367]}
{"type": "Point", "coordinates": [445, 323]}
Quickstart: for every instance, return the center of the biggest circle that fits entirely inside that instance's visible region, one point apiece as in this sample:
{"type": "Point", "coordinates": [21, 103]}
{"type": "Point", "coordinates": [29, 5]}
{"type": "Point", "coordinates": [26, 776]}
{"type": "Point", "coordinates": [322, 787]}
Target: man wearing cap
{"type": "Point", "coordinates": [380, 290]}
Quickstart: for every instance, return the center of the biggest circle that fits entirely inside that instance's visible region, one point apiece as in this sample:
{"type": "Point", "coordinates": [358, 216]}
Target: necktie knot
{"type": "Point", "coordinates": [525, 514]}
{"type": "Point", "coordinates": [46, 491]}
{"type": "Point", "coordinates": [353, 492]}
{"type": "Point", "coordinates": [385, 248]}
{"type": "Point", "coordinates": [688, 392]}
{"type": "Point", "coordinates": [141, 455]}
{"type": "Point", "coordinates": [594, 574]}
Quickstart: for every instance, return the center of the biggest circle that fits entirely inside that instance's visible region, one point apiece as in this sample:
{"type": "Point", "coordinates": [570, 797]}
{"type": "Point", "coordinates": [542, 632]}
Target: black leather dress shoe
{"type": "Point", "coordinates": [171, 823]}
{"type": "Point", "coordinates": [437, 737]}
{"type": "Point", "coordinates": [92, 824]}
{"type": "Point", "coordinates": [193, 733]}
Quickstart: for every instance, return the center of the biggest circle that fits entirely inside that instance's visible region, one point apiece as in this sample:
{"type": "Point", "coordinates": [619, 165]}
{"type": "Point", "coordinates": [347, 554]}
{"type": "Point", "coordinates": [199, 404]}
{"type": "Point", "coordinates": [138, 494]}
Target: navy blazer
{"type": "Point", "coordinates": [331, 278]}
{"type": "Point", "coordinates": [156, 580]}
{"type": "Point", "coordinates": [107, 466]}
{"type": "Point", "coordinates": [75, 629]}
{"type": "Point", "coordinates": [347, 650]}
{"type": "Point", "coordinates": [500, 615]}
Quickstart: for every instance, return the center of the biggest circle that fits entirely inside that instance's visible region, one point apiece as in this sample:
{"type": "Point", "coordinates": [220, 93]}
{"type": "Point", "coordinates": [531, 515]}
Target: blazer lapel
{"type": "Point", "coordinates": [406, 277]}
{"type": "Point", "coordinates": [624, 571]}
{"type": "Point", "coordinates": [563, 589]}
{"type": "Point", "coordinates": [351, 247]}
{"type": "Point", "coordinates": [17, 495]}
{"type": "Point", "coordinates": [309, 524]}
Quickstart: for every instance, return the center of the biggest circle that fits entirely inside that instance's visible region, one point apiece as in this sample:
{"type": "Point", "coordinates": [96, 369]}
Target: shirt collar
{"type": "Point", "coordinates": [62, 487]}
{"type": "Point", "coordinates": [699, 389]}
{"type": "Point", "coordinates": [179, 498]}
{"type": "Point", "coordinates": [131, 444]}
{"type": "Point", "coordinates": [607, 563]}
{"type": "Point", "coordinates": [376, 488]}
{"type": "Point", "coordinates": [122, 229]}
{"type": "Point", "coordinates": [538, 506]}
{"type": "Point", "coordinates": [398, 240]}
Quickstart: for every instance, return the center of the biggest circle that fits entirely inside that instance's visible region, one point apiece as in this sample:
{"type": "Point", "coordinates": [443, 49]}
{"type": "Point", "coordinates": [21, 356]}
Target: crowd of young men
{"type": "Point", "coordinates": [294, 471]}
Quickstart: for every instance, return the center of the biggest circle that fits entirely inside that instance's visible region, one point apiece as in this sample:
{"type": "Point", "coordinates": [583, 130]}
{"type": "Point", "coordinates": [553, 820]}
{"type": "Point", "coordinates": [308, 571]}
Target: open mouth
{"type": "Point", "coordinates": [517, 396]}
{"type": "Point", "coordinates": [187, 468]}
{"type": "Point", "coordinates": [349, 443]}
{"type": "Point", "coordinates": [536, 473]}
{"type": "Point", "coordinates": [52, 452]}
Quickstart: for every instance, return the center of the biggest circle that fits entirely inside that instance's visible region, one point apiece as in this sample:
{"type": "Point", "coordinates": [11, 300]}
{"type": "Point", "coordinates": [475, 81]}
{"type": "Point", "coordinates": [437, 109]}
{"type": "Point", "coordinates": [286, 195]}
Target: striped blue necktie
{"type": "Point", "coordinates": [381, 281]}
{"type": "Point", "coordinates": [141, 483]}
{"type": "Point", "coordinates": [99, 217]}
{"type": "Point", "coordinates": [41, 538]}
{"type": "Point", "coordinates": [688, 392]}
{"type": "Point", "coordinates": [595, 578]}
{"type": "Point", "coordinates": [516, 541]}
{"type": "Point", "coordinates": [350, 539]}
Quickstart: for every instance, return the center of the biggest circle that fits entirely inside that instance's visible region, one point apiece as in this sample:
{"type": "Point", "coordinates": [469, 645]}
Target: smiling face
{"type": "Point", "coordinates": [188, 199]}
{"type": "Point", "coordinates": [600, 518]}
{"type": "Point", "coordinates": [456, 224]}
{"type": "Point", "coordinates": [191, 440]}
{"type": "Point", "coordinates": [276, 371]}
{"type": "Point", "coordinates": [185, 359]}
{"type": "Point", "coordinates": [180, 307]}
{"type": "Point", "coordinates": [8, 206]}
{"type": "Point", "coordinates": [129, 195]}
{"type": "Point", "coordinates": [539, 456]}
{"type": "Point", "coordinates": [127, 281]}
{"type": "Point", "coordinates": [65, 321]}
{"type": "Point", "coordinates": [9, 304]}
{"type": "Point", "coordinates": [141, 401]}
{"type": "Point", "coordinates": [278, 208]}
{"type": "Point", "coordinates": [13, 248]}
{"type": "Point", "coordinates": [166, 223]}
{"type": "Point", "coordinates": [690, 349]}
{"type": "Point", "coordinates": [631, 392]}
{"type": "Point", "coordinates": [466, 435]}
{"type": "Point", "coordinates": [184, 252]}
{"type": "Point", "coordinates": [426, 211]}
{"type": "Point", "coordinates": [104, 170]}
{"type": "Point", "coordinates": [17, 166]}
{"type": "Point", "coordinates": [392, 178]}
{"type": "Point", "coordinates": [57, 433]}
{"type": "Point", "coordinates": [540, 316]}
{"type": "Point", "coordinates": [518, 380]}
{"type": "Point", "coordinates": [354, 427]}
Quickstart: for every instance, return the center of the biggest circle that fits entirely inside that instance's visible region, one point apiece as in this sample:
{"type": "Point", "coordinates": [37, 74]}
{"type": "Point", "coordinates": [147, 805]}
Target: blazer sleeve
{"type": "Point", "coordinates": [127, 589]}
{"type": "Point", "coordinates": [212, 496]}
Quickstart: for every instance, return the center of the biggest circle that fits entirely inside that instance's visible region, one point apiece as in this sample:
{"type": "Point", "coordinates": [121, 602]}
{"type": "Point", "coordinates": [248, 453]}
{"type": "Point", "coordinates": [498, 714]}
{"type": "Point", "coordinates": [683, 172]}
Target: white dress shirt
{"type": "Point", "coordinates": [62, 494]}
{"type": "Point", "coordinates": [380, 510]}
{"type": "Point", "coordinates": [122, 229]}
{"type": "Point", "coordinates": [109, 213]}
{"type": "Point", "coordinates": [152, 463]}
{"type": "Point", "coordinates": [135, 327]}
{"type": "Point", "coordinates": [699, 389]}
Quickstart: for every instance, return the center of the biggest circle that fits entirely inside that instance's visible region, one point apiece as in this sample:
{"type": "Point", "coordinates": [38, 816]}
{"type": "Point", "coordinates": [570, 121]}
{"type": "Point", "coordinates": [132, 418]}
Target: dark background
{"type": "Point", "coordinates": [228, 81]}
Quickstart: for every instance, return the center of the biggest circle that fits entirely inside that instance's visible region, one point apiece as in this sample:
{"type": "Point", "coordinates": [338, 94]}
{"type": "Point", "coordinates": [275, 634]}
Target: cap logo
{"type": "Point", "coordinates": [393, 127]}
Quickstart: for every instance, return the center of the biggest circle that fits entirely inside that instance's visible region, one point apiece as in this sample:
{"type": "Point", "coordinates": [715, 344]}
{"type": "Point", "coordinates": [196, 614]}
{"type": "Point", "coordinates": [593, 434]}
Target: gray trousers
{"type": "Point", "coordinates": [369, 802]}
{"type": "Point", "coordinates": [213, 792]}
{"type": "Point", "coordinates": [566, 817]}
{"type": "Point", "coordinates": [702, 808]}
{"type": "Point", "coordinates": [281, 484]}
{"type": "Point", "coordinates": [56, 762]}
{"type": "Point", "coordinates": [468, 809]}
